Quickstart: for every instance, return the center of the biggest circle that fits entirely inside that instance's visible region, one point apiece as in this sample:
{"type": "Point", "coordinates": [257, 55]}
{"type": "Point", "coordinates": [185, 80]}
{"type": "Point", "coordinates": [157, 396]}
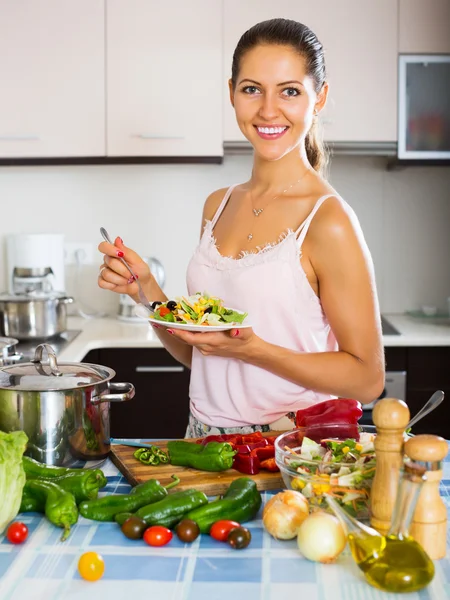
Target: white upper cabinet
{"type": "Point", "coordinates": [360, 41]}
{"type": "Point", "coordinates": [164, 78]}
{"type": "Point", "coordinates": [424, 27]}
{"type": "Point", "coordinates": [52, 99]}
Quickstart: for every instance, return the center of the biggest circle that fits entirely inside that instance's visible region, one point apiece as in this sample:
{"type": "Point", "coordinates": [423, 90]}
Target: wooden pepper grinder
{"type": "Point", "coordinates": [429, 524]}
{"type": "Point", "coordinates": [391, 416]}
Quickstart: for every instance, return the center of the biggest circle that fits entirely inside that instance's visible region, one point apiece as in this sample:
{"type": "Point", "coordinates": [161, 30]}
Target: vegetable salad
{"type": "Point", "coordinates": [343, 469]}
{"type": "Point", "coordinates": [199, 309]}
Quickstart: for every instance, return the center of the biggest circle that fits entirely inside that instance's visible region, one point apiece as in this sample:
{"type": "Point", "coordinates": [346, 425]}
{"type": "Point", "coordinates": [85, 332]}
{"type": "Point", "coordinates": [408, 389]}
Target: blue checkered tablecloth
{"type": "Point", "coordinates": [43, 568]}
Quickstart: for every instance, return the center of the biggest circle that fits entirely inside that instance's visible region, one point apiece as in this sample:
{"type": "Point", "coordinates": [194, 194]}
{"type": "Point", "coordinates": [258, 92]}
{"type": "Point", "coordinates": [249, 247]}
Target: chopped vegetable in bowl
{"type": "Point", "coordinates": [199, 309]}
{"type": "Point", "coordinates": [343, 468]}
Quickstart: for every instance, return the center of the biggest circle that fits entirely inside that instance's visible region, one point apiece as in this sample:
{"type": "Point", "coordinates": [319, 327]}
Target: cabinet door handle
{"type": "Point", "coordinates": [144, 369]}
{"type": "Point", "coordinates": [149, 136]}
{"type": "Point", "coordinates": [19, 138]}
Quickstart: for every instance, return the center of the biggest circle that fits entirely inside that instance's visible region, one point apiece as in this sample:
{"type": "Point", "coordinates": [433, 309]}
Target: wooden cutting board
{"type": "Point", "coordinates": [211, 484]}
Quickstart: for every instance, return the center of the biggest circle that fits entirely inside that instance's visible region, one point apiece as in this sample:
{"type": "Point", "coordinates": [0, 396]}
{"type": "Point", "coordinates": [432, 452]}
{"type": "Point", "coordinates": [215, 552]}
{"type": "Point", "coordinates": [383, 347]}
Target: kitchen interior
{"type": "Point", "coordinates": [108, 120]}
{"type": "Point", "coordinates": [79, 153]}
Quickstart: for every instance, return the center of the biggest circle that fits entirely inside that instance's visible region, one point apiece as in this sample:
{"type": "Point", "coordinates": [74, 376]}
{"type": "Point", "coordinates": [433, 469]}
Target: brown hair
{"type": "Point", "coordinates": [285, 32]}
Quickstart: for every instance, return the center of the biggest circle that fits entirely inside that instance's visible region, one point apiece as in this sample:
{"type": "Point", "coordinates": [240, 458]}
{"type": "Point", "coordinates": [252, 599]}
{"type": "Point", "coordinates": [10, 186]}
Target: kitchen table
{"type": "Point", "coordinates": [43, 568]}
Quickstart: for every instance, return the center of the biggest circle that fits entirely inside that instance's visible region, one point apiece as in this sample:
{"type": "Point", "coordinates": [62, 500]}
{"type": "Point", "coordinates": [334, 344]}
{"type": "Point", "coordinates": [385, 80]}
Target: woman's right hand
{"type": "Point", "coordinates": [113, 273]}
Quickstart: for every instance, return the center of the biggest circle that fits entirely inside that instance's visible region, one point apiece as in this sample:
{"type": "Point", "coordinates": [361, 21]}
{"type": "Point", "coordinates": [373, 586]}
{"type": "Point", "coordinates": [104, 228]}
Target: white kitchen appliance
{"type": "Point", "coordinates": [35, 263]}
{"type": "Point", "coordinates": [127, 304]}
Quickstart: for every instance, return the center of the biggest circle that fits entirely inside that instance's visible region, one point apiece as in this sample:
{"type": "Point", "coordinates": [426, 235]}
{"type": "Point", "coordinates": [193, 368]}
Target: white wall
{"type": "Point", "coordinates": [156, 209]}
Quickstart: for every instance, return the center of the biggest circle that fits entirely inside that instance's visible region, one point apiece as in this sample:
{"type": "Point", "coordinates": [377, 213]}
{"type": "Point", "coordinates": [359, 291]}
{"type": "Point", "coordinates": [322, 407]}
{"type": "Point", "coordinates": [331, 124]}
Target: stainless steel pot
{"type": "Point", "coordinates": [63, 408]}
{"type": "Point", "coordinates": [33, 316]}
{"type": "Point", "coordinates": [8, 351]}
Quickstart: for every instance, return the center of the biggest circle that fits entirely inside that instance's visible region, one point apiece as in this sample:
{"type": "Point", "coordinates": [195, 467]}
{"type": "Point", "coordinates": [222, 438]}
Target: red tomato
{"type": "Point", "coordinates": [163, 311]}
{"type": "Point", "coordinates": [157, 535]}
{"type": "Point", "coordinates": [17, 532]}
{"type": "Point", "coordinates": [220, 530]}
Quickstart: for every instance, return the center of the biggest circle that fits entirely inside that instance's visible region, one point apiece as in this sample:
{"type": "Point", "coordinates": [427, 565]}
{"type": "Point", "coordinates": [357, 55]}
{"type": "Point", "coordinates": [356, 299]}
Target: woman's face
{"type": "Point", "coordinates": [274, 99]}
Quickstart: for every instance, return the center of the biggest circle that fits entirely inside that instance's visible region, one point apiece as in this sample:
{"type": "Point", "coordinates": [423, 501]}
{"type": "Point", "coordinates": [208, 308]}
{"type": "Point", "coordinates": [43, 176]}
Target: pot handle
{"type": "Point", "coordinates": [120, 393]}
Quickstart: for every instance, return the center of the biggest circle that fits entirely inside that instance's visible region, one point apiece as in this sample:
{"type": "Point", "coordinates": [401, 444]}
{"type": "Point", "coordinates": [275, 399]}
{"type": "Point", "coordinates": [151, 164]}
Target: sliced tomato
{"type": "Point", "coordinates": [163, 311]}
{"type": "Point", "coordinates": [220, 529]}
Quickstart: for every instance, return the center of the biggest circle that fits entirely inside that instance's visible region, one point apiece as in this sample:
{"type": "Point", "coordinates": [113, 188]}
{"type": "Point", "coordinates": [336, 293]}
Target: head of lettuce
{"type": "Point", "coordinates": [12, 475]}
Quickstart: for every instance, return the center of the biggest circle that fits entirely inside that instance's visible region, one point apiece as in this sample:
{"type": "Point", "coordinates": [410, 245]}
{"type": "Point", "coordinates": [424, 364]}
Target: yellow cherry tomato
{"type": "Point", "coordinates": [91, 566]}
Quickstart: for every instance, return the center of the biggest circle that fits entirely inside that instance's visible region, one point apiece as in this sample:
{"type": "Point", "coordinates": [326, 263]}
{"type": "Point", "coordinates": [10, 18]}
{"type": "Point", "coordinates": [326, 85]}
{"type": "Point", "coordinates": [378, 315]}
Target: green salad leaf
{"type": "Point", "coordinates": [12, 475]}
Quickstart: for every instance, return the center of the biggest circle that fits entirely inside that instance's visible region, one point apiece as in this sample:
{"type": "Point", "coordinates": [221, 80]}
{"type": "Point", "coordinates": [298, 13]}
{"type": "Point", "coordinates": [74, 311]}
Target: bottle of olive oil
{"type": "Point", "coordinates": [395, 562]}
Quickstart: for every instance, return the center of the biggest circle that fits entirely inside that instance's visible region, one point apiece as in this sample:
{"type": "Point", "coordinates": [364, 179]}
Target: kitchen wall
{"type": "Point", "coordinates": [156, 209]}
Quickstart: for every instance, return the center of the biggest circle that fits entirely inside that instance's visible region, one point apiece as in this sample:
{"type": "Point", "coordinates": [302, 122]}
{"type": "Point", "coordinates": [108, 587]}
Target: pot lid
{"type": "Point", "coordinates": [38, 376]}
{"type": "Point", "coordinates": [35, 295]}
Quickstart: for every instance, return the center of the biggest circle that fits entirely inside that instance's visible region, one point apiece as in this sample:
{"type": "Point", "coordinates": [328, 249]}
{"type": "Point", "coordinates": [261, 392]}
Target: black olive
{"type": "Point", "coordinates": [155, 304]}
{"type": "Point", "coordinates": [208, 310]}
{"type": "Point", "coordinates": [171, 305]}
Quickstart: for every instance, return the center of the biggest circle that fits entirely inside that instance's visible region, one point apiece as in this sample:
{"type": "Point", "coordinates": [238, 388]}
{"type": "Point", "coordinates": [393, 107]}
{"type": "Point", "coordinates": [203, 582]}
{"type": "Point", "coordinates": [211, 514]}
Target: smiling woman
{"type": "Point", "coordinates": [283, 246]}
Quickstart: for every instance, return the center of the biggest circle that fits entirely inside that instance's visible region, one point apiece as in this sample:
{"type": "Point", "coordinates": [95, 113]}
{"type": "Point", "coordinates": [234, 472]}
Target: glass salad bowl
{"type": "Point", "coordinates": [336, 459]}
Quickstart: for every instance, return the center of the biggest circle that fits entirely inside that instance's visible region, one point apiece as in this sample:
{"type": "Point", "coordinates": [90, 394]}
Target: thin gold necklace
{"type": "Point", "coordinates": [258, 211]}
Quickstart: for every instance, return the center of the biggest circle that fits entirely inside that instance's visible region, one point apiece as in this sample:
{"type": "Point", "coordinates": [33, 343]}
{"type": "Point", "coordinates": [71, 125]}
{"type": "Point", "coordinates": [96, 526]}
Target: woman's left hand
{"type": "Point", "coordinates": [235, 343]}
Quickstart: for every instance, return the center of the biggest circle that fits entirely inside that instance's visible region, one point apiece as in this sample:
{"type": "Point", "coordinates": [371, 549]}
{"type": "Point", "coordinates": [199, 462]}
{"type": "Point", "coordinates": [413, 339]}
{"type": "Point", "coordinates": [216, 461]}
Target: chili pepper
{"type": "Point", "coordinates": [169, 511]}
{"type": "Point", "coordinates": [151, 455]}
{"type": "Point", "coordinates": [122, 517]}
{"type": "Point", "coordinates": [33, 468]}
{"type": "Point", "coordinates": [31, 503]}
{"type": "Point", "coordinates": [60, 506]}
{"type": "Point", "coordinates": [240, 503]}
{"type": "Point", "coordinates": [250, 464]}
{"type": "Point", "coordinates": [215, 456]}
{"type": "Point", "coordinates": [345, 411]}
{"type": "Point", "coordinates": [106, 508]}
{"type": "Point", "coordinates": [84, 485]}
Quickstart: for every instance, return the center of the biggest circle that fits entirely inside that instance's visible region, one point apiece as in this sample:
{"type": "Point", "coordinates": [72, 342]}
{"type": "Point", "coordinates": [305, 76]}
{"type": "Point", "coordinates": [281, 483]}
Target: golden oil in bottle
{"type": "Point", "coordinates": [392, 563]}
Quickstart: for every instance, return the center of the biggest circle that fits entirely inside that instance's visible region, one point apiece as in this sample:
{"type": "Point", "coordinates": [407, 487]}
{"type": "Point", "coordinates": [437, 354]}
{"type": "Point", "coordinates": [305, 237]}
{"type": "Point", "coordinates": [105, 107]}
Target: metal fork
{"type": "Point", "coordinates": [141, 294]}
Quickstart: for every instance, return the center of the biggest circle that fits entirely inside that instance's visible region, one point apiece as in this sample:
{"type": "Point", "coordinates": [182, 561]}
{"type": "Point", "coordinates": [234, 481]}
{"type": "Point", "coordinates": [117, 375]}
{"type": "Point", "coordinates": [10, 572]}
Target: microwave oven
{"type": "Point", "coordinates": [424, 107]}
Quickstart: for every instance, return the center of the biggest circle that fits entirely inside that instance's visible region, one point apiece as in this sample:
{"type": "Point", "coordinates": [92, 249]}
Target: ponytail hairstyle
{"type": "Point", "coordinates": [285, 32]}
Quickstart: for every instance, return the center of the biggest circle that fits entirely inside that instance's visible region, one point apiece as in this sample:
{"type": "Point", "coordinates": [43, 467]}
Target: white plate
{"type": "Point", "coordinates": [196, 328]}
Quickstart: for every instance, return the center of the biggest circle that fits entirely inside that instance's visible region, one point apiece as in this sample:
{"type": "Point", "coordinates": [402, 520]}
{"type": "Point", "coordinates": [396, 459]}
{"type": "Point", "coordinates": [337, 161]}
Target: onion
{"type": "Point", "coordinates": [321, 537]}
{"type": "Point", "coordinates": [284, 513]}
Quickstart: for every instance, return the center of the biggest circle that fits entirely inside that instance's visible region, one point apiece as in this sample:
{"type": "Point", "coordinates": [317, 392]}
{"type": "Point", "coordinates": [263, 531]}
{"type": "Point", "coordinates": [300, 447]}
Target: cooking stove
{"type": "Point", "coordinates": [27, 347]}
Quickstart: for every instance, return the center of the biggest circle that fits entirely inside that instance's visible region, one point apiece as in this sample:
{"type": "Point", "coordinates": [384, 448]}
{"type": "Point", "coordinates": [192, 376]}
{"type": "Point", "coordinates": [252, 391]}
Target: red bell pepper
{"type": "Point", "coordinates": [251, 464]}
{"type": "Point", "coordinates": [270, 465]}
{"type": "Point", "coordinates": [343, 411]}
{"type": "Point", "coordinates": [253, 449]}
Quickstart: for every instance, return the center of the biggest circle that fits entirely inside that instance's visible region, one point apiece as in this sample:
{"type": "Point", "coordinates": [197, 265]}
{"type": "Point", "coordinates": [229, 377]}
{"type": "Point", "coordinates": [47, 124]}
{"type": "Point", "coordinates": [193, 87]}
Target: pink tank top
{"type": "Point", "coordinates": [283, 309]}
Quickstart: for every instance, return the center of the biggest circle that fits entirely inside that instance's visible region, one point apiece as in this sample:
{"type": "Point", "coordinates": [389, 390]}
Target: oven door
{"type": "Point", "coordinates": [394, 387]}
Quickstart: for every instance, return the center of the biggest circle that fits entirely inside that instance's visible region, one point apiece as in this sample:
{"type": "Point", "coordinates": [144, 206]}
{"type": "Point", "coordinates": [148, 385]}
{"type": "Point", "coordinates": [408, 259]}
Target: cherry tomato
{"type": "Point", "coordinates": [239, 538]}
{"type": "Point", "coordinates": [163, 311]}
{"type": "Point", "coordinates": [134, 527]}
{"type": "Point", "coordinates": [157, 535]}
{"type": "Point", "coordinates": [187, 530]}
{"type": "Point", "coordinates": [17, 532]}
{"type": "Point", "coordinates": [220, 530]}
{"type": "Point", "coordinates": [91, 566]}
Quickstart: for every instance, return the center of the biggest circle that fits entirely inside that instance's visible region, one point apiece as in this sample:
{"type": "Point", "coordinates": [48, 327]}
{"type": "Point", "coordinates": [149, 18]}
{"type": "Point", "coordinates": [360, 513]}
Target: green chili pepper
{"type": "Point", "coordinates": [122, 517]}
{"type": "Point", "coordinates": [106, 508]}
{"type": "Point", "coordinates": [151, 455]}
{"type": "Point", "coordinates": [31, 503]}
{"type": "Point", "coordinates": [34, 469]}
{"type": "Point", "coordinates": [59, 506]}
{"type": "Point", "coordinates": [84, 485]}
{"type": "Point", "coordinates": [214, 456]}
{"type": "Point", "coordinates": [240, 503]}
{"type": "Point", "coordinates": [171, 510]}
